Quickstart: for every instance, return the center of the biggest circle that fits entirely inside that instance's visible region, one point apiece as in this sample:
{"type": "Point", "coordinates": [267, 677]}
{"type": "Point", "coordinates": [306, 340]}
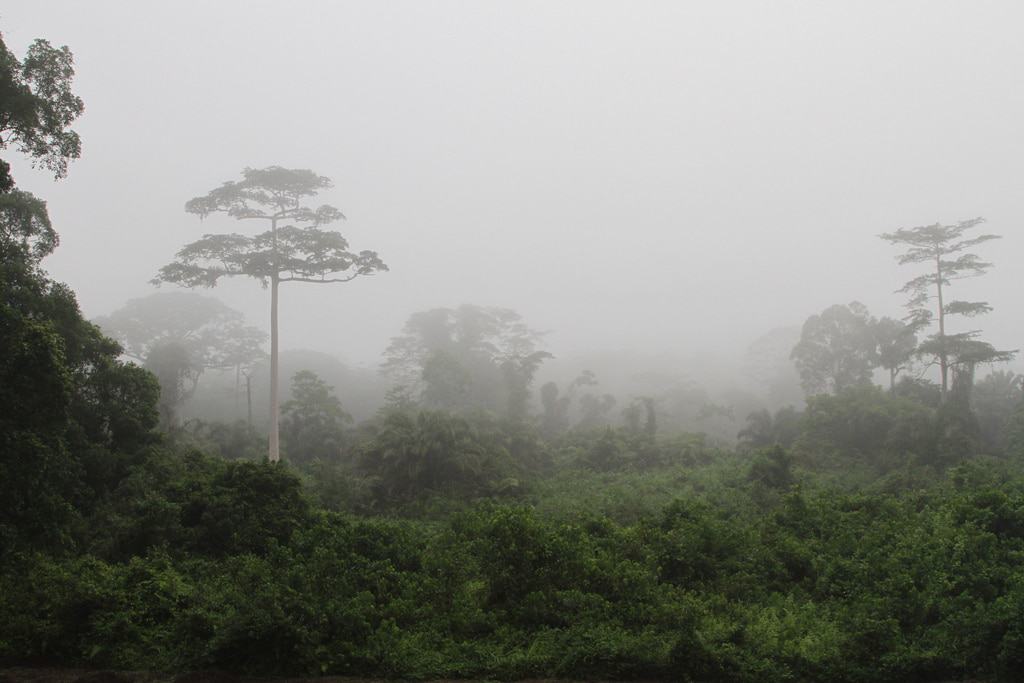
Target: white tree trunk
{"type": "Point", "coordinates": [274, 453]}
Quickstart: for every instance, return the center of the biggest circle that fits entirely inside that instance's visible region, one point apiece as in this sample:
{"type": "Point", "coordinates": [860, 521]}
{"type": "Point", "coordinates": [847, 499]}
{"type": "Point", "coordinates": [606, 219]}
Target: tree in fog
{"type": "Point", "coordinates": [312, 421]}
{"type": "Point", "coordinates": [767, 362]}
{"type": "Point", "coordinates": [996, 399]}
{"type": "Point", "coordinates": [69, 408]}
{"type": "Point", "coordinates": [180, 335]}
{"type": "Point", "coordinates": [294, 249]}
{"type": "Point", "coordinates": [944, 248]}
{"type": "Point", "coordinates": [895, 343]}
{"type": "Point", "coordinates": [836, 349]}
{"type": "Point", "coordinates": [433, 451]}
{"type": "Point", "coordinates": [37, 108]}
{"type": "Point", "coordinates": [556, 403]}
{"type": "Point", "coordinates": [764, 429]}
{"type": "Point", "coordinates": [463, 358]}
{"type": "Point", "coordinates": [25, 226]}
{"type": "Point", "coordinates": [642, 409]}
{"type": "Point", "coordinates": [596, 410]}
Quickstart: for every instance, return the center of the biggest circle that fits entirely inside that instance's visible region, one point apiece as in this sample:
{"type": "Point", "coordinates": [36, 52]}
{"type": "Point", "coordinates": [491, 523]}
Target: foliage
{"type": "Point", "coordinates": [434, 452]}
{"type": "Point", "coordinates": [313, 424]}
{"type": "Point", "coordinates": [38, 108]}
{"type": "Point", "coordinates": [213, 334]}
{"type": "Point", "coordinates": [895, 343]}
{"type": "Point", "coordinates": [763, 429]}
{"type": "Point", "coordinates": [863, 539]}
{"type": "Point", "coordinates": [286, 252]}
{"type": "Point", "coordinates": [178, 336]}
{"type": "Point", "coordinates": [25, 229]}
{"type": "Point", "coordinates": [944, 249]}
{"type": "Point", "coordinates": [825, 585]}
{"type": "Point", "coordinates": [996, 399]}
{"type": "Point", "coordinates": [464, 359]}
{"type": "Point", "coordinates": [836, 349]}
{"type": "Point", "coordinates": [556, 405]}
{"type": "Point", "coordinates": [228, 441]}
{"type": "Point", "coordinates": [867, 426]}
{"type": "Point", "coordinates": [295, 249]}
{"type": "Point", "coordinates": [68, 407]}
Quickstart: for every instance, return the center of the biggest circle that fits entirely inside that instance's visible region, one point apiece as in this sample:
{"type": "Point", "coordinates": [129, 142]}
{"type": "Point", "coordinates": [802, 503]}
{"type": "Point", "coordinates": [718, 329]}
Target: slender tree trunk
{"type": "Point", "coordinates": [274, 446]}
{"type": "Point", "coordinates": [943, 357]}
{"type": "Point", "coordinates": [248, 401]}
{"type": "Point", "coordinates": [274, 453]}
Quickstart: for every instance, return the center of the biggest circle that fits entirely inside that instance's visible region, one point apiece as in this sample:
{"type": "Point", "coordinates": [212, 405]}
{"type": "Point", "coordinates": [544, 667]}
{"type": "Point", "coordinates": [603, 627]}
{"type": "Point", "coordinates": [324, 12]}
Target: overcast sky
{"type": "Point", "coordinates": [643, 175]}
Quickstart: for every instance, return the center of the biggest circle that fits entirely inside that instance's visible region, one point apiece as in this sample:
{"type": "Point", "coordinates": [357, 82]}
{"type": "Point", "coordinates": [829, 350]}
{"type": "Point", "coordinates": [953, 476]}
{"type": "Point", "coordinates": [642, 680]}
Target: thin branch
{"type": "Point", "coordinates": [318, 280]}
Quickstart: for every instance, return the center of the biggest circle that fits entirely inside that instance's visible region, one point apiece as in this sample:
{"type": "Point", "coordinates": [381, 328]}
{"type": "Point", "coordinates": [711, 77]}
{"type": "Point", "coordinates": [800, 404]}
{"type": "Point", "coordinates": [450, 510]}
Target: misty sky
{"type": "Point", "coordinates": [656, 176]}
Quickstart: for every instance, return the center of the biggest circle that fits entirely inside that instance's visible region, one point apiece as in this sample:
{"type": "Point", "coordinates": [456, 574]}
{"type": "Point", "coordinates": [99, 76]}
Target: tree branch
{"type": "Point", "coordinates": [319, 280]}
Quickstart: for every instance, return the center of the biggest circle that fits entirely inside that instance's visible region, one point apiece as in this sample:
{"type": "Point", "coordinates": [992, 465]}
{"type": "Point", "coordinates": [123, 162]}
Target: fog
{"type": "Point", "coordinates": [636, 397]}
{"type": "Point", "coordinates": [669, 179]}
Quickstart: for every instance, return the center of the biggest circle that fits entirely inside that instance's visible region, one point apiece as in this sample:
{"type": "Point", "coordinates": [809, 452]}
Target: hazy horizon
{"type": "Point", "coordinates": [662, 178]}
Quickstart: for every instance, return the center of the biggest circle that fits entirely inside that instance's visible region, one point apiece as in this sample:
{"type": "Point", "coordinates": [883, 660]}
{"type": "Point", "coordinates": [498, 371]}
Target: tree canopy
{"type": "Point", "coordinates": [944, 248]}
{"type": "Point", "coordinates": [37, 108]}
{"type": "Point", "coordinates": [178, 336]}
{"type": "Point", "coordinates": [294, 249]}
{"type": "Point", "coordinates": [214, 334]}
{"type": "Point", "coordinates": [836, 349]}
{"type": "Point", "coordinates": [465, 358]}
{"type": "Point", "coordinates": [313, 422]}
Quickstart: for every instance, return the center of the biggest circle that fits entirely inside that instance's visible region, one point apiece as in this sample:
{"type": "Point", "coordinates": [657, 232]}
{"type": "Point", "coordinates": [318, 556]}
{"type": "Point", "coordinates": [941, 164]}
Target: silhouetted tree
{"type": "Point", "coordinates": [944, 249]}
{"type": "Point", "coordinates": [180, 335]}
{"type": "Point", "coordinates": [836, 349]}
{"type": "Point", "coordinates": [295, 249]}
{"type": "Point", "coordinates": [25, 229]}
{"type": "Point", "coordinates": [763, 429]}
{"type": "Point", "coordinates": [431, 452]}
{"type": "Point", "coordinates": [556, 404]}
{"type": "Point", "coordinates": [68, 407]}
{"type": "Point", "coordinates": [465, 358]}
{"type": "Point", "coordinates": [313, 421]}
{"type": "Point", "coordinates": [895, 344]}
{"type": "Point", "coordinates": [37, 108]}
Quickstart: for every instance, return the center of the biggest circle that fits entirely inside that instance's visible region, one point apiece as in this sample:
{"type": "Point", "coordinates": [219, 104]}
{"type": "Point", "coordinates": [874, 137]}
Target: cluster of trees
{"type": "Point", "coordinates": [71, 412]}
{"type": "Point", "coordinates": [842, 346]}
{"type": "Point", "coordinates": [178, 336]}
{"type": "Point", "coordinates": [756, 574]}
{"type": "Point", "coordinates": [463, 359]}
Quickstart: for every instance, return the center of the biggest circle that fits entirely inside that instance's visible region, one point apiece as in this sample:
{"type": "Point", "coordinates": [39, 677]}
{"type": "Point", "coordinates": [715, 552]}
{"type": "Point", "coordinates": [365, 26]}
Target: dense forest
{"type": "Point", "coordinates": [462, 514]}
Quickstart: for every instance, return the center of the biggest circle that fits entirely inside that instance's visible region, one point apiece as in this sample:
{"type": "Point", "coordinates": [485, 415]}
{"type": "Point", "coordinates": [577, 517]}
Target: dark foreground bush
{"type": "Point", "coordinates": [920, 585]}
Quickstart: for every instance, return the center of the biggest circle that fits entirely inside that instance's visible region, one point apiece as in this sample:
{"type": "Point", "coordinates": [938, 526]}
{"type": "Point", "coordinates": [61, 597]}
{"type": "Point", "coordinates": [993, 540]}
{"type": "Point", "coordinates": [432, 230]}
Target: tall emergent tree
{"type": "Point", "coordinates": [944, 249]}
{"type": "Point", "coordinates": [294, 249]}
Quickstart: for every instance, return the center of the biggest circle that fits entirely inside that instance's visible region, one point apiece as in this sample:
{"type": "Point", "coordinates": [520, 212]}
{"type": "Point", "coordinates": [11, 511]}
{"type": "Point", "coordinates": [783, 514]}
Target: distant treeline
{"type": "Point", "coordinates": [463, 531]}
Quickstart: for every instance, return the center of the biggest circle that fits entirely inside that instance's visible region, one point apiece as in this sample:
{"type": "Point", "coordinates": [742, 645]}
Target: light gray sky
{"type": "Point", "coordinates": [658, 176]}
